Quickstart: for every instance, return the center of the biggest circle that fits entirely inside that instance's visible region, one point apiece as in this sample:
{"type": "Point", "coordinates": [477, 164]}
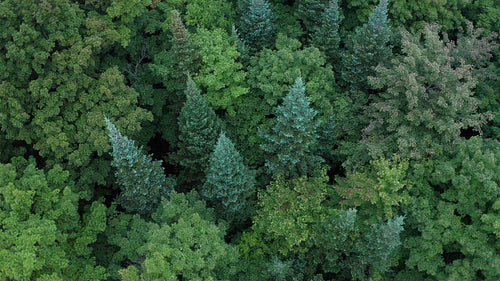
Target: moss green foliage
{"type": "Point", "coordinates": [142, 180]}
{"type": "Point", "coordinates": [221, 74]}
{"type": "Point", "coordinates": [229, 186]}
{"type": "Point", "coordinates": [403, 119]}
{"type": "Point", "coordinates": [455, 210]}
{"type": "Point", "coordinates": [288, 210]}
{"type": "Point", "coordinates": [182, 240]}
{"type": "Point", "coordinates": [199, 129]}
{"type": "Point", "coordinates": [52, 94]}
{"type": "Point", "coordinates": [43, 236]}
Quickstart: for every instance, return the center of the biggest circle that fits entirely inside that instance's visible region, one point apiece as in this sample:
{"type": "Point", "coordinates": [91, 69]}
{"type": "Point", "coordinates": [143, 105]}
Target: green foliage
{"type": "Point", "coordinates": [210, 14]}
{"type": "Point", "coordinates": [183, 240]}
{"type": "Point", "coordinates": [451, 230]}
{"type": "Point", "coordinates": [53, 94]}
{"type": "Point", "coordinates": [349, 250]}
{"type": "Point", "coordinates": [229, 187]}
{"type": "Point", "coordinates": [220, 75]}
{"type": "Point", "coordinates": [326, 35]}
{"type": "Point", "coordinates": [427, 101]}
{"type": "Point", "coordinates": [256, 25]}
{"type": "Point", "coordinates": [142, 180]}
{"type": "Point", "coordinates": [199, 129]}
{"type": "Point", "coordinates": [367, 48]}
{"type": "Point", "coordinates": [288, 210]}
{"type": "Point", "coordinates": [42, 235]}
{"type": "Point", "coordinates": [378, 191]}
{"type": "Point", "coordinates": [291, 142]}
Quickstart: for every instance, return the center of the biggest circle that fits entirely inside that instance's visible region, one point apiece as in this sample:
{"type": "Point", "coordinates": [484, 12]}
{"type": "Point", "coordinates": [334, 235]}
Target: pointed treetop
{"type": "Point", "coordinates": [178, 29]}
{"type": "Point", "coordinates": [378, 19]}
{"type": "Point", "coordinates": [191, 88]}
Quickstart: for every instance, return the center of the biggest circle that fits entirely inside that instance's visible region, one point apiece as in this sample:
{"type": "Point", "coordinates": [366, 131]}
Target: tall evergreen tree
{"type": "Point", "coordinates": [142, 179]}
{"type": "Point", "coordinates": [326, 35]}
{"type": "Point", "coordinates": [199, 129]}
{"type": "Point", "coordinates": [229, 185]}
{"type": "Point", "coordinates": [291, 141]}
{"type": "Point", "coordinates": [256, 25]}
{"type": "Point", "coordinates": [367, 48]}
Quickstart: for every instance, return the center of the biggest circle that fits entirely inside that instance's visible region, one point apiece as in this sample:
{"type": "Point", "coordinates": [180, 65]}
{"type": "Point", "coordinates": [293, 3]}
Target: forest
{"type": "Point", "coordinates": [249, 140]}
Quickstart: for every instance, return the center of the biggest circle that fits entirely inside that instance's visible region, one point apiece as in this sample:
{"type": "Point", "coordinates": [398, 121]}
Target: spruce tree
{"type": "Point", "coordinates": [199, 128]}
{"type": "Point", "coordinates": [326, 35]}
{"type": "Point", "coordinates": [142, 180]}
{"type": "Point", "coordinates": [256, 25]}
{"type": "Point", "coordinates": [367, 48]}
{"type": "Point", "coordinates": [291, 141]}
{"type": "Point", "coordinates": [229, 185]}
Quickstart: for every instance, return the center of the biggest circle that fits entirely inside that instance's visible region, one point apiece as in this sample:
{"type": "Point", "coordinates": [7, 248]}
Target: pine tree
{"type": "Point", "coordinates": [199, 128]}
{"type": "Point", "coordinates": [256, 25]}
{"type": "Point", "coordinates": [228, 186]}
{"type": "Point", "coordinates": [367, 48]}
{"type": "Point", "coordinates": [326, 35]}
{"type": "Point", "coordinates": [291, 141]}
{"type": "Point", "coordinates": [142, 179]}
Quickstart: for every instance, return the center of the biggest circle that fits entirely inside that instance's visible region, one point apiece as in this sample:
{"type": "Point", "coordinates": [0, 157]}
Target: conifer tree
{"type": "Point", "coordinates": [199, 128]}
{"type": "Point", "coordinates": [256, 26]}
{"type": "Point", "coordinates": [228, 186]}
{"type": "Point", "coordinates": [291, 141]}
{"type": "Point", "coordinates": [326, 35]}
{"type": "Point", "coordinates": [142, 179]}
{"type": "Point", "coordinates": [367, 48]}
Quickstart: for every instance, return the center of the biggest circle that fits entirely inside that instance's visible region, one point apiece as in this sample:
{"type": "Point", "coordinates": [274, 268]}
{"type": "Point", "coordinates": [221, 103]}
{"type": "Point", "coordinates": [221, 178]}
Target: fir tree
{"type": "Point", "coordinates": [326, 36]}
{"type": "Point", "coordinates": [367, 48]}
{"type": "Point", "coordinates": [256, 26]}
{"type": "Point", "coordinates": [228, 186]}
{"type": "Point", "coordinates": [291, 141]}
{"type": "Point", "coordinates": [199, 128]}
{"type": "Point", "coordinates": [141, 178]}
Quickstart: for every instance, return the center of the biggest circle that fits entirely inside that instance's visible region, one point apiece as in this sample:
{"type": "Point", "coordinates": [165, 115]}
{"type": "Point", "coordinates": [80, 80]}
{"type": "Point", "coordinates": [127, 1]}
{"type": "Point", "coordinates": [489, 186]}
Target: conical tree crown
{"type": "Point", "coordinates": [326, 36]}
{"type": "Point", "coordinates": [228, 185]}
{"type": "Point", "coordinates": [142, 179]}
{"type": "Point", "coordinates": [292, 139]}
{"type": "Point", "coordinates": [256, 26]}
{"type": "Point", "coordinates": [367, 48]}
{"type": "Point", "coordinates": [199, 128]}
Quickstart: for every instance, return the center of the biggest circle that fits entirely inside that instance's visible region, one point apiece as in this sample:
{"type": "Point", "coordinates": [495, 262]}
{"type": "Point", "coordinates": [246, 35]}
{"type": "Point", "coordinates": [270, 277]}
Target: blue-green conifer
{"type": "Point", "coordinates": [229, 185]}
{"type": "Point", "coordinates": [142, 180]}
{"type": "Point", "coordinates": [326, 35]}
{"type": "Point", "coordinates": [291, 142]}
{"type": "Point", "coordinates": [367, 47]}
{"type": "Point", "coordinates": [256, 25]}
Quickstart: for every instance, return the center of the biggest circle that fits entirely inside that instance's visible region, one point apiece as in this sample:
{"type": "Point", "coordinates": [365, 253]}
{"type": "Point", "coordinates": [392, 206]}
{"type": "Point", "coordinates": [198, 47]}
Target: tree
{"type": "Point", "coordinates": [199, 128]}
{"type": "Point", "coordinates": [452, 216]}
{"type": "Point", "coordinates": [291, 142]}
{"type": "Point", "coordinates": [427, 101]}
{"type": "Point", "coordinates": [55, 89]}
{"type": "Point", "coordinates": [43, 236]}
{"type": "Point", "coordinates": [220, 75]}
{"type": "Point", "coordinates": [270, 75]}
{"type": "Point", "coordinates": [210, 14]}
{"type": "Point", "coordinates": [367, 48]}
{"type": "Point", "coordinates": [326, 35]}
{"type": "Point", "coordinates": [182, 241]}
{"type": "Point", "coordinates": [229, 187]}
{"type": "Point", "coordinates": [256, 25]}
{"type": "Point", "coordinates": [289, 210]}
{"type": "Point", "coordinates": [142, 179]}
